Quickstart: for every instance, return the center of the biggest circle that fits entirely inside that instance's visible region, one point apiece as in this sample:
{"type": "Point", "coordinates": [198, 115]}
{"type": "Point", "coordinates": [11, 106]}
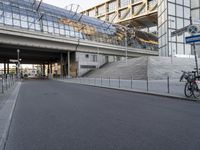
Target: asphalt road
{"type": "Point", "coordinates": [52, 115]}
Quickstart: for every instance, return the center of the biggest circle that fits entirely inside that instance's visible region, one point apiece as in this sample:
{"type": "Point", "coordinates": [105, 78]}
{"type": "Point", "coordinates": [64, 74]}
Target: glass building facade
{"type": "Point", "coordinates": [40, 17]}
{"type": "Point", "coordinates": [139, 13]}
{"type": "Point", "coordinates": [195, 11]}
{"type": "Point", "coordinates": [31, 15]}
{"type": "Point", "coordinates": [173, 15]}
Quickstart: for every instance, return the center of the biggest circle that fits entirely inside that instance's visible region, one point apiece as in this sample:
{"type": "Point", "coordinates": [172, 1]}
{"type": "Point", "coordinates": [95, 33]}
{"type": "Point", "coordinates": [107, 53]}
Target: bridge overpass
{"type": "Point", "coordinates": [13, 38]}
{"type": "Point", "coordinates": [46, 34]}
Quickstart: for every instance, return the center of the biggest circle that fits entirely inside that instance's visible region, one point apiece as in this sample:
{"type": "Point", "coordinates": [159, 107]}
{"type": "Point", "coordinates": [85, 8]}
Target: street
{"type": "Point", "coordinates": [52, 115]}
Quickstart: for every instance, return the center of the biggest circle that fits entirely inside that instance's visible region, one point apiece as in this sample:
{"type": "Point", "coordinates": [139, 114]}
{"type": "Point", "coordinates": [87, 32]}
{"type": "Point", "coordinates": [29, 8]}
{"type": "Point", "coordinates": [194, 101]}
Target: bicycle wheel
{"type": "Point", "coordinates": [188, 89]}
{"type": "Point", "coordinates": [195, 90]}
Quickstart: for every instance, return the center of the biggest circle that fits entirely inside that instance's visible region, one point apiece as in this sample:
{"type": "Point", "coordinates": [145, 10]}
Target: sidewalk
{"type": "Point", "coordinates": [167, 88]}
{"type": "Point", "coordinates": [7, 104]}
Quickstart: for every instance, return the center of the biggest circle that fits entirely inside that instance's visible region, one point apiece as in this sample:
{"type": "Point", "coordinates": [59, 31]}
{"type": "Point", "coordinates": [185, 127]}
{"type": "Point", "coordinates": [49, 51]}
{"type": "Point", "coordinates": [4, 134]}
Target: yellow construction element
{"type": "Point", "coordinates": [78, 26]}
{"type": "Point", "coordinates": [148, 41]}
{"type": "Point", "coordinates": [134, 11]}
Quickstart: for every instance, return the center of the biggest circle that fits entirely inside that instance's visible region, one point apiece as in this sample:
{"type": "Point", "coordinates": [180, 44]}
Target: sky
{"type": "Point", "coordinates": [83, 3]}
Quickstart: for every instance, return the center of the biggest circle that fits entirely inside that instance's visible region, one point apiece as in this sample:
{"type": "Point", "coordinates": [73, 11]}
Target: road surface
{"type": "Point", "coordinates": [52, 115]}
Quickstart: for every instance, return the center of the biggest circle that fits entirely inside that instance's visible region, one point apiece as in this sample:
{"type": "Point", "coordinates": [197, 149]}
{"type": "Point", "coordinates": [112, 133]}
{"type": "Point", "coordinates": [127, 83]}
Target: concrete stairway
{"type": "Point", "coordinates": [139, 68]}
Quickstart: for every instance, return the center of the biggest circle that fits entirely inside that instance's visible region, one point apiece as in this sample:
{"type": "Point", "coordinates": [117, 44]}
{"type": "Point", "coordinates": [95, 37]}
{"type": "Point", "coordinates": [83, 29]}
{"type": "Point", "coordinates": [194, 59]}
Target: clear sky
{"type": "Point", "coordinates": [83, 3]}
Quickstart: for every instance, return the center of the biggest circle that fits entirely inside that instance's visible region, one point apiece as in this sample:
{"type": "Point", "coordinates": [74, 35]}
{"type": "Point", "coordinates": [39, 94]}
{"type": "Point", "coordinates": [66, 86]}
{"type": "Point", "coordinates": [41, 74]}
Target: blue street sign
{"type": "Point", "coordinates": [192, 39]}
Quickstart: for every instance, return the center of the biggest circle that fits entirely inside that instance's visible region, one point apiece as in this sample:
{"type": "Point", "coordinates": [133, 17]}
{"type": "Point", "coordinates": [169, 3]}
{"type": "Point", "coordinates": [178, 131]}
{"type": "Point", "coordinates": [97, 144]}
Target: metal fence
{"type": "Point", "coordinates": [164, 86]}
{"type": "Point", "coordinates": [7, 81]}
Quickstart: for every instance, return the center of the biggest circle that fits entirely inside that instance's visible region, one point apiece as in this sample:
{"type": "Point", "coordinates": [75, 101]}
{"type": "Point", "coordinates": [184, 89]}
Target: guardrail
{"type": "Point", "coordinates": [164, 86]}
{"type": "Point", "coordinates": [7, 81]}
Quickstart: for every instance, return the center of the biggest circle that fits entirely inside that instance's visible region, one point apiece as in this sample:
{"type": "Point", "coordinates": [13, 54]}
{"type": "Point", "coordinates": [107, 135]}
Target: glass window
{"type": "Point", "coordinates": [179, 11]}
{"type": "Point", "coordinates": [186, 22]}
{"type": "Point", "coordinates": [92, 13]}
{"type": "Point", "coordinates": [124, 13]}
{"type": "Point", "coordinates": [187, 2]}
{"type": "Point", "coordinates": [101, 10]}
{"type": "Point", "coordinates": [180, 2]}
{"type": "Point", "coordinates": [179, 23]}
{"type": "Point", "coordinates": [112, 6]}
{"type": "Point", "coordinates": [16, 22]}
{"type": "Point", "coordinates": [195, 14]}
{"type": "Point", "coordinates": [8, 21]}
{"type": "Point", "coordinates": [180, 38]}
{"type": "Point", "coordinates": [123, 3]}
{"type": "Point", "coordinates": [37, 26]}
{"type": "Point", "coordinates": [180, 49]}
{"type": "Point", "coordinates": [171, 9]}
{"type": "Point", "coordinates": [172, 22]}
{"type": "Point", "coordinates": [50, 29]}
{"type": "Point", "coordinates": [24, 24]}
{"type": "Point", "coordinates": [194, 3]}
{"type": "Point", "coordinates": [186, 12]}
{"type": "Point", "coordinates": [187, 49]}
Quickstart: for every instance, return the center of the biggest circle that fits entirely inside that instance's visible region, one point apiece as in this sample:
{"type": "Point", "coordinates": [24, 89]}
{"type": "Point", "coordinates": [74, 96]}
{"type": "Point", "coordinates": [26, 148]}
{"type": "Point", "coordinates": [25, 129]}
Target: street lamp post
{"type": "Point", "coordinates": [126, 44]}
{"type": "Point", "coordinates": [171, 39]}
{"type": "Point", "coordinates": [18, 64]}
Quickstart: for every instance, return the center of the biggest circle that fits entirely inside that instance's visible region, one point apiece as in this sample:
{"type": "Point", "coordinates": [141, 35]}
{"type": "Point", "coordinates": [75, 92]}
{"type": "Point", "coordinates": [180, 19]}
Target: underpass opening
{"type": "Point", "coordinates": [48, 63]}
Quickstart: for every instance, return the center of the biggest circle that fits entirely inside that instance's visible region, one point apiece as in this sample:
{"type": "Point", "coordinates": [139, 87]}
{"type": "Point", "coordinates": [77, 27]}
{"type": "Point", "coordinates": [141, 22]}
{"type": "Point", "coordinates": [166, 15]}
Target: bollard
{"type": "Point", "coordinates": [109, 81]}
{"type": "Point", "coordinates": [9, 82]}
{"type": "Point", "coordinates": [95, 81]}
{"type": "Point", "coordinates": [6, 83]}
{"type": "Point", "coordinates": [131, 82]}
{"type": "Point", "coordinates": [168, 89]}
{"type": "Point", "coordinates": [119, 82]}
{"type": "Point", "coordinates": [101, 80]}
{"type": "Point", "coordinates": [2, 85]}
{"type": "Point", "coordinates": [147, 84]}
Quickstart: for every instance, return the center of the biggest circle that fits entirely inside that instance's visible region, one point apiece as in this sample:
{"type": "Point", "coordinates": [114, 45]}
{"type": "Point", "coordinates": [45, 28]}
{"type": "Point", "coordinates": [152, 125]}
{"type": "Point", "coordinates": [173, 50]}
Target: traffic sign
{"type": "Point", "coordinates": [193, 29]}
{"type": "Point", "coordinates": [192, 39]}
{"type": "Point", "coordinates": [195, 21]}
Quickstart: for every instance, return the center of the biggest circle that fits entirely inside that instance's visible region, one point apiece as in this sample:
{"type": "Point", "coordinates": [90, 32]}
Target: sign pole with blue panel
{"type": "Point", "coordinates": [192, 40]}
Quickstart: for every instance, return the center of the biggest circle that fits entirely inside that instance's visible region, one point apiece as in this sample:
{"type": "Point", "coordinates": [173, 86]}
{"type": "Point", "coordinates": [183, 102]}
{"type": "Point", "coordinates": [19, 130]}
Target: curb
{"type": "Point", "coordinates": [8, 107]}
{"type": "Point", "coordinates": [137, 91]}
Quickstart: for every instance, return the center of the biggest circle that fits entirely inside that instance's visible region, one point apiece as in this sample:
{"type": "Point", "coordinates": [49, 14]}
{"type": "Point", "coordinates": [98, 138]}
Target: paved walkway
{"type": "Point", "coordinates": [52, 115]}
{"type": "Point", "coordinates": [7, 103]}
{"type": "Point", "coordinates": [161, 87]}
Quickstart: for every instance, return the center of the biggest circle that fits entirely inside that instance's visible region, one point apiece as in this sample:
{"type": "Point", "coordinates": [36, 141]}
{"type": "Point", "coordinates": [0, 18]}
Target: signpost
{"type": "Point", "coordinates": [192, 39]}
{"type": "Point", "coordinates": [193, 29]}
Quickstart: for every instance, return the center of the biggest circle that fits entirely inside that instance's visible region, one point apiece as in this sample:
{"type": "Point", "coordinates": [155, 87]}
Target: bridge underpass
{"type": "Point", "coordinates": [44, 57]}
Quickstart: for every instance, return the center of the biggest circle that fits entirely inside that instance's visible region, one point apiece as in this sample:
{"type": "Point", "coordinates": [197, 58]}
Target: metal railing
{"type": "Point", "coordinates": [7, 81]}
{"type": "Point", "coordinates": [162, 86]}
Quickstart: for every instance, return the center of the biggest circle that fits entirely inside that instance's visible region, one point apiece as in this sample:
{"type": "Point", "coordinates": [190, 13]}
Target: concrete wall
{"type": "Point", "coordinates": [87, 62]}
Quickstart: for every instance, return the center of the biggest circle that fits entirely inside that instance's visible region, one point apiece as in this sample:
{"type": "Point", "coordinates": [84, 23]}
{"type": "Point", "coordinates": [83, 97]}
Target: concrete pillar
{"type": "Point", "coordinates": [61, 65]}
{"type": "Point", "coordinates": [4, 68]}
{"type": "Point", "coordinates": [8, 69]}
{"type": "Point", "coordinates": [43, 70]}
{"type": "Point", "coordinates": [51, 68]}
{"type": "Point", "coordinates": [68, 63]}
{"type": "Point", "coordinates": [48, 71]}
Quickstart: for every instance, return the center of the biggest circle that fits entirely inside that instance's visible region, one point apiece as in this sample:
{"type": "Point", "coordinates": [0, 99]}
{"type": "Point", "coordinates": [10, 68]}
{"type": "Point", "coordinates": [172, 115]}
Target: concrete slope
{"type": "Point", "coordinates": [139, 68]}
{"type": "Point", "coordinates": [136, 68]}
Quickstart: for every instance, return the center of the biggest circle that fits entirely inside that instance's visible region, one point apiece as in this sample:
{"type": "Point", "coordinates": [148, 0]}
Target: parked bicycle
{"type": "Point", "coordinates": [192, 86]}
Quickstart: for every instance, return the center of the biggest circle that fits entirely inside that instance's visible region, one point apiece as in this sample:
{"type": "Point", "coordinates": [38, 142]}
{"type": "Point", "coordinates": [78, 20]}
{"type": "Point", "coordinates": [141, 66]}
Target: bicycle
{"type": "Point", "coordinates": [188, 76]}
{"type": "Point", "coordinates": [192, 86]}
